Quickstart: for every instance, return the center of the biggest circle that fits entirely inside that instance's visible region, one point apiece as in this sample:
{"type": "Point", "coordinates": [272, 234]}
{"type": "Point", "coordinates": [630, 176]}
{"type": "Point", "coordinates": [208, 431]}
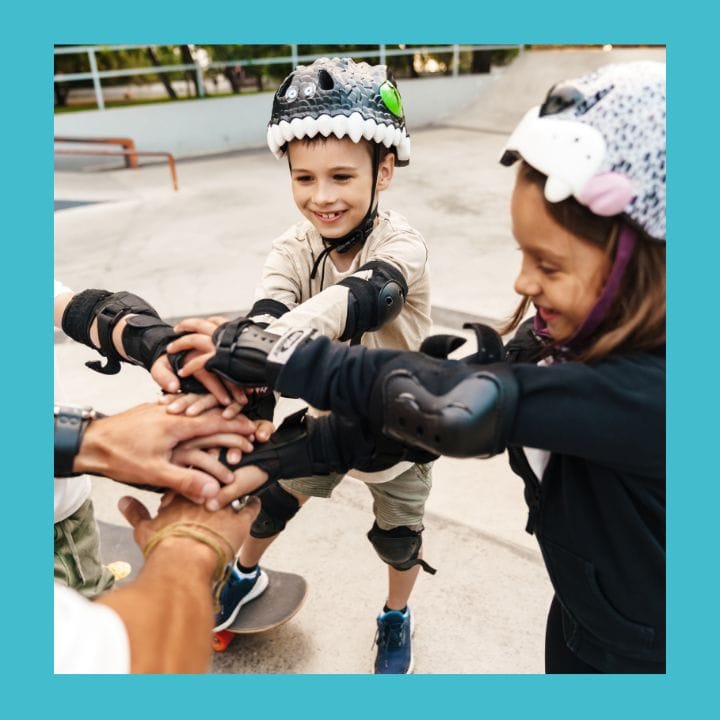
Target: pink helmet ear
{"type": "Point", "coordinates": [607, 194]}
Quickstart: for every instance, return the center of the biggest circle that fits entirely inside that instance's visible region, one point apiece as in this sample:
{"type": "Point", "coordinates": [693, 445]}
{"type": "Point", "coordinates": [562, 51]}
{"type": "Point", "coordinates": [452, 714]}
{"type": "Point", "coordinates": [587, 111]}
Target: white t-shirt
{"type": "Point", "coordinates": [89, 638]}
{"type": "Point", "coordinates": [537, 458]}
{"type": "Point", "coordinates": [72, 492]}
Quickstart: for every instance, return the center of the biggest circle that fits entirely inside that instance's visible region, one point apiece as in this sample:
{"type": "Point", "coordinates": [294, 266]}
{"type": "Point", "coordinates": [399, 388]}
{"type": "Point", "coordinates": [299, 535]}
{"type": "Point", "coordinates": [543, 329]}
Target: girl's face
{"type": "Point", "coordinates": [562, 273]}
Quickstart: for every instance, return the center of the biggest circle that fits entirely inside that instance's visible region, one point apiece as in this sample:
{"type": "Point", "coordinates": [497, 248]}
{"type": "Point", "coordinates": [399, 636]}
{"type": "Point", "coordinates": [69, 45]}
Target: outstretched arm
{"type": "Point", "coordinates": [125, 328]}
{"type": "Point", "coordinates": [304, 446]}
{"type": "Point", "coordinates": [136, 447]}
{"type": "Point", "coordinates": [168, 610]}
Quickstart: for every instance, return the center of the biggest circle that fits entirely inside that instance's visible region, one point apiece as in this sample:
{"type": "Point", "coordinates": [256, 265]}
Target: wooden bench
{"type": "Point", "coordinates": [127, 144]}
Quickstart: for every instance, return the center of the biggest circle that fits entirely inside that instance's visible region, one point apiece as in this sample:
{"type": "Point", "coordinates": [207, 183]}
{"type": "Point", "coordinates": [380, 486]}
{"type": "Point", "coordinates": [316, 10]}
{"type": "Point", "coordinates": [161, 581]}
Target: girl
{"type": "Point", "coordinates": [580, 402]}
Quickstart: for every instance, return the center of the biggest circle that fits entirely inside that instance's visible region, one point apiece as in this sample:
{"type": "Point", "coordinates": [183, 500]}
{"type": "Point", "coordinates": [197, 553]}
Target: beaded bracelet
{"type": "Point", "coordinates": [204, 534]}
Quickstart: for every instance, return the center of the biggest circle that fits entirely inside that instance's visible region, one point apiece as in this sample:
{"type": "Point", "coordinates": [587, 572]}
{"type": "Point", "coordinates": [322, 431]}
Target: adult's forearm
{"type": "Point", "coordinates": [167, 611]}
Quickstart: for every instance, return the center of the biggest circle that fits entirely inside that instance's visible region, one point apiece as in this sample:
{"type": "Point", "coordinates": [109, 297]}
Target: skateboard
{"type": "Point", "coordinates": [281, 601]}
{"type": "Point", "coordinates": [119, 551]}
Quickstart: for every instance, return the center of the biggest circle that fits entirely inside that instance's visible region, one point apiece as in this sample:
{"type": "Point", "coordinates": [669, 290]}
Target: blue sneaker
{"type": "Point", "coordinates": [394, 643]}
{"type": "Point", "coordinates": [236, 592]}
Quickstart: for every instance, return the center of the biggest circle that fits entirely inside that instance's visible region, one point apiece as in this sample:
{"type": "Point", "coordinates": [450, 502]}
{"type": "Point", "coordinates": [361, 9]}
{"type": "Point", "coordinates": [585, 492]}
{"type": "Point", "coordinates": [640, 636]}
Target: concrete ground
{"type": "Point", "coordinates": [200, 251]}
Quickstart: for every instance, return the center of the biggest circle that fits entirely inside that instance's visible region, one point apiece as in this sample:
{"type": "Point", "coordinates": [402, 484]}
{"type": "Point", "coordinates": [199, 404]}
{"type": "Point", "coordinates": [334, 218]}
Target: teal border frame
{"type": "Point", "coordinates": [692, 486]}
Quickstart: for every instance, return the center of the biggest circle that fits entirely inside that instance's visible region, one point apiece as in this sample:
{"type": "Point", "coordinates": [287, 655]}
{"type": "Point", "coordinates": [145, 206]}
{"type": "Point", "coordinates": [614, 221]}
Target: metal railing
{"type": "Point", "coordinates": [129, 153]}
{"type": "Point", "coordinates": [200, 69]}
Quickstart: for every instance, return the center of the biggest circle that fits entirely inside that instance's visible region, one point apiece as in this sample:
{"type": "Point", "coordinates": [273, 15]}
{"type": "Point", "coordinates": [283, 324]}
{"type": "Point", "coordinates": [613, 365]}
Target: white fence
{"type": "Point", "coordinates": [200, 67]}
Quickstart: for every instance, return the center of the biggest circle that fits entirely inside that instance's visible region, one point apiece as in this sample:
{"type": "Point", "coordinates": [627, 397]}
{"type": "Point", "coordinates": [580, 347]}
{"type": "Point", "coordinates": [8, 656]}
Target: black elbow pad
{"type": "Point", "coordinates": [373, 302]}
{"type": "Point", "coordinates": [445, 407]}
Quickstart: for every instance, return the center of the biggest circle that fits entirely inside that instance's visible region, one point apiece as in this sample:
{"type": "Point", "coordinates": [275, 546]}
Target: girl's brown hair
{"type": "Point", "coordinates": [636, 319]}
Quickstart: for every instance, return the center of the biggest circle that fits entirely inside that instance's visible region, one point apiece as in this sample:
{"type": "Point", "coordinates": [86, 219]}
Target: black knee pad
{"type": "Point", "coordinates": [399, 547]}
{"type": "Point", "coordinates": [277, 507]}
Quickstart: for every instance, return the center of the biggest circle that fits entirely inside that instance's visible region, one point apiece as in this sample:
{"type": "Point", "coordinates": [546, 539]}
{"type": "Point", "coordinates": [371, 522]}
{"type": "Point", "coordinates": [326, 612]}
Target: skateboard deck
{"type": "Point", "coordinates": [281, 601]}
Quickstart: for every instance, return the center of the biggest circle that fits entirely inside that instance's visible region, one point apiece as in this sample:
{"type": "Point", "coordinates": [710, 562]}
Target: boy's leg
{"type": "Point", "coordinates": [400, 586]}
{"type": "Point", "coordinates": [77, 553]}
{"type": "Point", "coordinates": [246, 580]}
{"type": "Point", "coordinates": [399, 507]}
{"type": "Point", "coordinates": [400, 503]}
{"type": "Point", "coordinates": [276, 511]}
{"type": "Point", "coordinates": [254, 548]}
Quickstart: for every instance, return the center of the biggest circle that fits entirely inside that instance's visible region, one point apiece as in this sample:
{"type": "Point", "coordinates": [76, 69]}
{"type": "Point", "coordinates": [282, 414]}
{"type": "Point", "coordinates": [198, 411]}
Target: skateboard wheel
{"type": "Point", "coordinates": [221, 639]}
{"type": "Point", "coordinates": [120, 569]}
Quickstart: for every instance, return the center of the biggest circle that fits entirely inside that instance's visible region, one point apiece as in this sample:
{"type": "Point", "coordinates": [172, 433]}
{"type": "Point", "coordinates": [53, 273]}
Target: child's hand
{"type": "Point", "coordinates": [246, 480]}
{"type": "Point", "coordinates": [203, 326]}
{"type": "Point", "coordinates": [200, 349]}
{"type": "Point", "coordinates": [196, 404]}
{"type": "Point", "coordinates": [163, 374]}
{"type": "Point", "coordinates": [263, 430]}
{"type": "Point", "coordinates": [202, 453]}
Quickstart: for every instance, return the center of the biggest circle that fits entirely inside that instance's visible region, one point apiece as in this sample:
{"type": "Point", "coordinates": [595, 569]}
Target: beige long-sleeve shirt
{"type": "Point", "coordinates": [322, 304]}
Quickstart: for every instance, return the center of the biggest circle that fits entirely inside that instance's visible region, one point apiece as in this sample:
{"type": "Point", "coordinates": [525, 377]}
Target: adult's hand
{"type": "Point", "coordinates": [136, 447]}
{"type": "Point", "coordinates": [167, 611]}
{"type": "Point", "coordinates": [233, 526]}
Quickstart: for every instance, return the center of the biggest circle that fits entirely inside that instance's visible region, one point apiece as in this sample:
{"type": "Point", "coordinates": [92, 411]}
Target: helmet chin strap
{"type": "Point", "coordinates": [360, 233]}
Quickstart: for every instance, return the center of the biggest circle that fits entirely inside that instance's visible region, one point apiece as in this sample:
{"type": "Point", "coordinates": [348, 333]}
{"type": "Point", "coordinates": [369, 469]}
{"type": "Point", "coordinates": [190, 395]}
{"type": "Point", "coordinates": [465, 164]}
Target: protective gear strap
{"type": "Point", "coordinates": [108, 314]}
{"type": "Point", "coordinates": [374, 302]}
{"type": "Point", "coordinates": [399, 547]}
{"type": "Point", "coordinates": [241, 350]}
{"type": "Point", "coordinates": [108, 309]}
{"type": "Point", "coordinates": [80, 313]}
{"type": "Point", "coordinates": [250, 356]}
{"type": "Point", "coordinates": [490, 348]}
{"type": "Point", "coordinates": [260, 405]}
{"type": "Point", "coordinates": [444, 407]}
{"type": "Point", "coordinates": [278, 506]}
{"type": "Point", "coordinates": [145, 338]}
{"type": "Point", "coordinates": [440, 346]}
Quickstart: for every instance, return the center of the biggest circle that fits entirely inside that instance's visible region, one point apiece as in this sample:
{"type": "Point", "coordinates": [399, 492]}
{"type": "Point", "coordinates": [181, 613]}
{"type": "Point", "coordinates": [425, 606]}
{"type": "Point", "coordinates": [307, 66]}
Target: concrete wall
{"type": "Point", "coordinates": [214, 125]}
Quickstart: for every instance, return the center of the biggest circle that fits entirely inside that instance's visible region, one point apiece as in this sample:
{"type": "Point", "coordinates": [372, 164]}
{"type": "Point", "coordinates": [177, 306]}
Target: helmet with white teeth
{"type": "Point", "coordinates": [601, 139]}
{"type": "Point", "coordinates": [342, 98]}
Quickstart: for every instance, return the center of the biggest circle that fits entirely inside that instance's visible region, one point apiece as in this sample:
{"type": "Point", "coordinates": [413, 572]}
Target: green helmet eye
{"type": "Point", "coordinates": [391, 97]}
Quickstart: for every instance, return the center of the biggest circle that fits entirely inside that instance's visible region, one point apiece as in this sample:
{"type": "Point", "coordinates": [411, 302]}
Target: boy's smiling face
{"type": "Point", "coordinates": [331, 182]}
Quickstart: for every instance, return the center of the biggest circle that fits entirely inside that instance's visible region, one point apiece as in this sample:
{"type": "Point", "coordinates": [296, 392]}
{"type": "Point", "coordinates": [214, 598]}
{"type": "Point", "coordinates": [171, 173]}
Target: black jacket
{"type": "Point", "coordinates": [599, 512]}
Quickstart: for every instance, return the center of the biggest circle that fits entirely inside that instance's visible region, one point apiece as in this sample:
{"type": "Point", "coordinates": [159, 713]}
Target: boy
{"type": "Point", "coordinates": [355, 274]}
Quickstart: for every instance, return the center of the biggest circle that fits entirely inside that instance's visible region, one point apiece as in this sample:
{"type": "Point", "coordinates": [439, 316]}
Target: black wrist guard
{"type": "Point", "coordinates": [145, 338]}
{"type": "Point", "coordinates": [304, 446]}
{"type": "Point", "coordinates": [250, 356]}
{"type": "Point", "coordinates": [109, 309]}
{"type": "Point", "coordinates": [80, 313]}
{"type": "Point", "coordinates": [70, 424]}
{"type": "Point", "coordinates": [260, 406]}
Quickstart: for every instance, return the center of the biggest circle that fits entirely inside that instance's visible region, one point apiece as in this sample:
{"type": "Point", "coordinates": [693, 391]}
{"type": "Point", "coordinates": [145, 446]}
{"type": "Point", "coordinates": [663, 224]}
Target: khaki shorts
{"type": "Point", "coordinates": [397, 502]}
{"type": "Point", "coordinates": [77, 553]}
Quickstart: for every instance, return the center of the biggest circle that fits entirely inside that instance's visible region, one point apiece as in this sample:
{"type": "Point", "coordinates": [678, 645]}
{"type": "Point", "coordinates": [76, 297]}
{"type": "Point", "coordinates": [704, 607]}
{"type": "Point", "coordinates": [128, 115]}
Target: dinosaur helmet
{"type": "Point", "coordinates": [342, 98]}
